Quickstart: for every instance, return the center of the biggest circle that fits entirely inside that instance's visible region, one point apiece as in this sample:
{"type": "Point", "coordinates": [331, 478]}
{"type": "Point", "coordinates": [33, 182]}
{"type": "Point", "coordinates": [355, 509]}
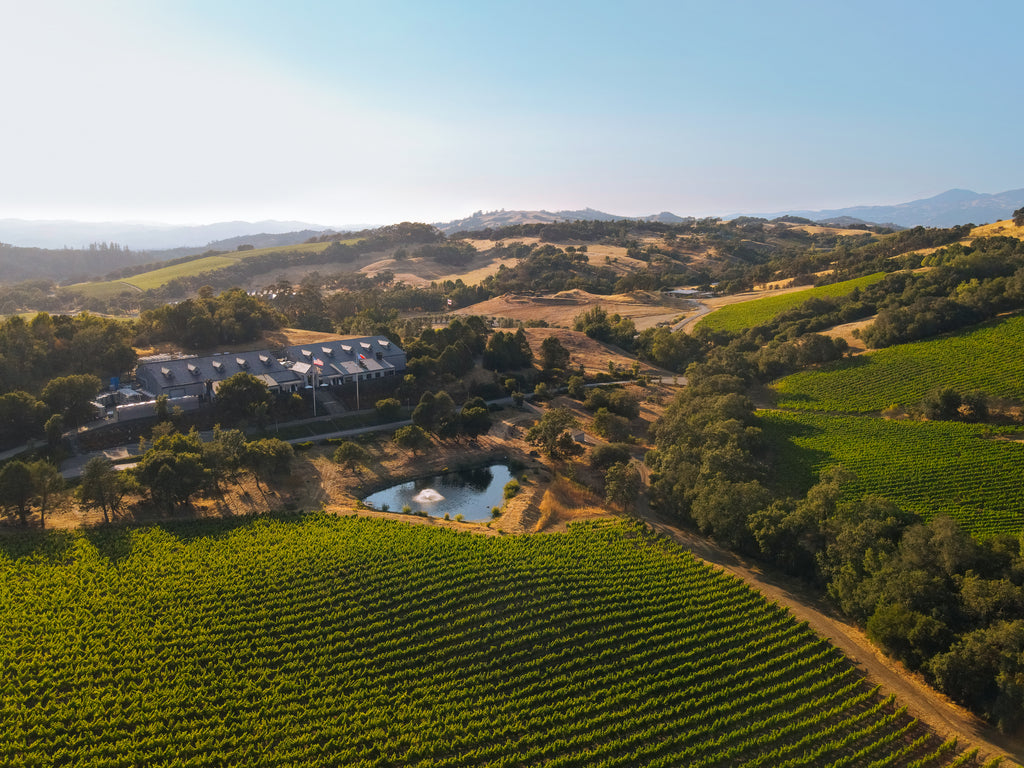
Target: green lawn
{"type": "Point", "coordinates": [989, 358]}
{"type": "Point", "coordinates": [327, 641]}
{"type": "Point", "coordinates": [747, 314]}
{"type": "Point", "coordinates": [929, 468]}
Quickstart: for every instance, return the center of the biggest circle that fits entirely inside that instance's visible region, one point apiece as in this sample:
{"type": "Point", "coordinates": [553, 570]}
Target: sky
{"type": "Point", "coordinates": [372, 112]}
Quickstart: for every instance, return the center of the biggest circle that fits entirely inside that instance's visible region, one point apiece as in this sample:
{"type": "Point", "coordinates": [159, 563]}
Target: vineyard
{"type": "Point", "coordinates": [737, 318]}
{"type": "Point", "coordinates": [343, 641]}
{"type": "Point", "coordinates": [986, 358]}
{"type": "Point", "coordinates": [930, 468]}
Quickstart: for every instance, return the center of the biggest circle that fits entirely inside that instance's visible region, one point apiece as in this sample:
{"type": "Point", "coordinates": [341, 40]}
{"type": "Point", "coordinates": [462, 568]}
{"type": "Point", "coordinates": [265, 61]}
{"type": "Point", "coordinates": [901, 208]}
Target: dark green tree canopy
{"type": "Point", "coordinates": [553, 354]}
{"type": "Point", "coordinates": [16, 488]}
{"type": "Point", "coordinates": [551, 433]}
{"type": "Point", "coordinates": [102, 486]}
{"type": "Point", "coordinates": [242, 397]}
{"type": "Point", "coordinates": [507, 351]}
{"type": "Point", "coordinates": [72, 396]}
{"type": "Point", "coordinates": [174, 469]}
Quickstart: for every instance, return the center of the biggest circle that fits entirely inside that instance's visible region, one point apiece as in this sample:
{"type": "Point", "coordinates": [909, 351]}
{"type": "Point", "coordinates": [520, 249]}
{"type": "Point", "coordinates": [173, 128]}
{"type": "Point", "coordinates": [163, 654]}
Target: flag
{"type": "Point", "coordinates": [362, 357]}
{"type": "Point", "coordinates": [318, 362]}
{"type": "Point", "coordinates": [449, 302]}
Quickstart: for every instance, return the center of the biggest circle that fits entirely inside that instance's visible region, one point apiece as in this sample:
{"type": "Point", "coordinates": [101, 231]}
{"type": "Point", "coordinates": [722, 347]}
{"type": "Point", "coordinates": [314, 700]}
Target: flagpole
{"type": "Point", "coordinates": [315, 369]}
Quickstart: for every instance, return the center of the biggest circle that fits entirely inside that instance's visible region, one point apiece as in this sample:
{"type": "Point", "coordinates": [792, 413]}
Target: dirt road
{"type": "Point", "coordinates": [923, 702]}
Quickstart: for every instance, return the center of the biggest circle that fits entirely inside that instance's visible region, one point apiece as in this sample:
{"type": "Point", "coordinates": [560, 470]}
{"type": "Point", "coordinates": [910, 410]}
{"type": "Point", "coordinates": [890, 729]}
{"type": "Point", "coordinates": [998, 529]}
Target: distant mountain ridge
{"type": "Point", "coordinates": [948, 209]}
{"type": "Point", "coordinates": [503, 218]}
{"type": "Point", "coordinates": [140, 236]}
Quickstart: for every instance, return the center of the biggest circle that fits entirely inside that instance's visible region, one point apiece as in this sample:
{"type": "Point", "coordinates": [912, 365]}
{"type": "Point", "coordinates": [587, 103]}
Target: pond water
{"type": "Point", "coordinates": [467, 492]}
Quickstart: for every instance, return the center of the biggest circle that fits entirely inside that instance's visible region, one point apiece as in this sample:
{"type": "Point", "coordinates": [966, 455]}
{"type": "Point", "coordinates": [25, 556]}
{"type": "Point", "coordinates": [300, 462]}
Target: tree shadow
{"type": "Point", "coordinates": [794, 467]}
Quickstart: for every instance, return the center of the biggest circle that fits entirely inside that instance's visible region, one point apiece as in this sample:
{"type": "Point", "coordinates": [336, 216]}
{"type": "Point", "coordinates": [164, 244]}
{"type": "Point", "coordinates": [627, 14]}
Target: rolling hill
{"type": "Point", "coordinates": [493, 219]}
{"type": "Point", "coordinates": [948, 209]}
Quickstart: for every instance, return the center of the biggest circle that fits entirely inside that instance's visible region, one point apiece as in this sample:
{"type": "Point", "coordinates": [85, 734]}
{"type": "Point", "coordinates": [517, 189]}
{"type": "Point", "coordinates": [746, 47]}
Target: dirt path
{"type": "Point", "coordinates": [924, 703]}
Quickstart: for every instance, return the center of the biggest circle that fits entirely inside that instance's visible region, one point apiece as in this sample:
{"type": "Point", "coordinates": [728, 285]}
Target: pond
{"type": "Point", "coordinates": [467, 492]}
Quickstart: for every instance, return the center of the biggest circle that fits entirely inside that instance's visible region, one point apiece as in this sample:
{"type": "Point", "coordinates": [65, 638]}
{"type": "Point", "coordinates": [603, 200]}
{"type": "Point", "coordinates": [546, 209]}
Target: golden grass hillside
{"type": "Point", "coordinates": [566, 502]}
{"type": "Point", "coordinates": [1004, 228]}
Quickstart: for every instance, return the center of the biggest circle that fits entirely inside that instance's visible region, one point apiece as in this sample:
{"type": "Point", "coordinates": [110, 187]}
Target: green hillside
{"type": "Point", "coordinates": [926, 467]}
{"type": "Point", "coordinates": [747, 314]}
{"type": "Point", "coordinates": [987, 358]}
{"type": "Point", "coordinates": [157, 277]}
{"type": "Point", "coordinates": [105, 290]}
{"type": "Point", "coordinates": [326, 641]}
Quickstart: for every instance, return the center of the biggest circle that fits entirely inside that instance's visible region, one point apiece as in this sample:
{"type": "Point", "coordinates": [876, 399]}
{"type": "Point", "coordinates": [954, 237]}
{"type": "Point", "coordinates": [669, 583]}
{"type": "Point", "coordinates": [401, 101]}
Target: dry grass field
{"type": "Point", "coordinates": [584, 351]}
{"type": "Point", "coordinates": [644, 308]}
{"type": "Point", "coordinates": [284, 337]}
{"type": "Point", "coordinates": [1003, 228]}
{"type": "Point", "coordinates": [814, 229]}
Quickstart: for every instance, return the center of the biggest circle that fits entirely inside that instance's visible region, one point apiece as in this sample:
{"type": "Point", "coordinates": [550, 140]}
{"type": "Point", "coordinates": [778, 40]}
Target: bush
{"type": "Point", "coordinates": [603, 456]}
{"type": "Point", "coordinates": [511, 488]}
{"type": "Point", "coordinates": [610, 426]}
{"type": "Point", "coordinates": [411, 437]}
{"type": "Point", "coordinates": [389, 408]}
{"type": "Point", "coordinates": [350, 454]}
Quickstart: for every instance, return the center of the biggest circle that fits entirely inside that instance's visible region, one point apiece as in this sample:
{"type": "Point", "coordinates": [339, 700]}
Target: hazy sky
{"type": "Point", "coordinates": [374, 112]}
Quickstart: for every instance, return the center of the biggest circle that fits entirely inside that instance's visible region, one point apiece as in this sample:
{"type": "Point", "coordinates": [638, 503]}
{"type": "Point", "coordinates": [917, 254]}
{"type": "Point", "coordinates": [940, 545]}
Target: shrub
{"type": "Point", "coordinates": [389, 408]}
{"type": "Point", "coordinates": [511, 488]}
{"type": "Point", "coordinates": [350, 454]}
{"type": "Point", "coordinates": [603, 456]}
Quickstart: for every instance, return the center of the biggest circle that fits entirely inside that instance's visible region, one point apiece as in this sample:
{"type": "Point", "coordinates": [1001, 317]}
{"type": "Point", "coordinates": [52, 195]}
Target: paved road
{"type": "Point", "coordinates": [689, 322]}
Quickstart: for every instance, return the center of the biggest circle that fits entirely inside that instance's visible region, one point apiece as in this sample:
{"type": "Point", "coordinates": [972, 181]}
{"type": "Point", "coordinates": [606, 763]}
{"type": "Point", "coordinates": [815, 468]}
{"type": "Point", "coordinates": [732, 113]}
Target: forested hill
{"type": "Point", "coordinates": [72, 265]}
{"type": "Point", "coordinates": [19, 264]}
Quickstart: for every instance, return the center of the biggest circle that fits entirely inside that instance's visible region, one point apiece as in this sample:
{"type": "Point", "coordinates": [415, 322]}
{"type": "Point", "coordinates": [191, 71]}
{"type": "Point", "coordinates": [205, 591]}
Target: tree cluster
{"type": "Point", "coordinates": [25, 482]}
{"type": "Point", "coordinates": [450, 351]}
{"type": "Point", "coordinates": [935, 598]}
{"type": "Point", "coordinates": [207, 320]}
{"type": "Point", "coordinates": [507, 351]}
{"type": "Point", "coordinates": [611, 329]}
{"type": "Point", "coordinates": [436, 413]}
{"type": "Point", "coordinates": [553, 433]}
{"type": "Point", "coordinates": [176, 467]}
